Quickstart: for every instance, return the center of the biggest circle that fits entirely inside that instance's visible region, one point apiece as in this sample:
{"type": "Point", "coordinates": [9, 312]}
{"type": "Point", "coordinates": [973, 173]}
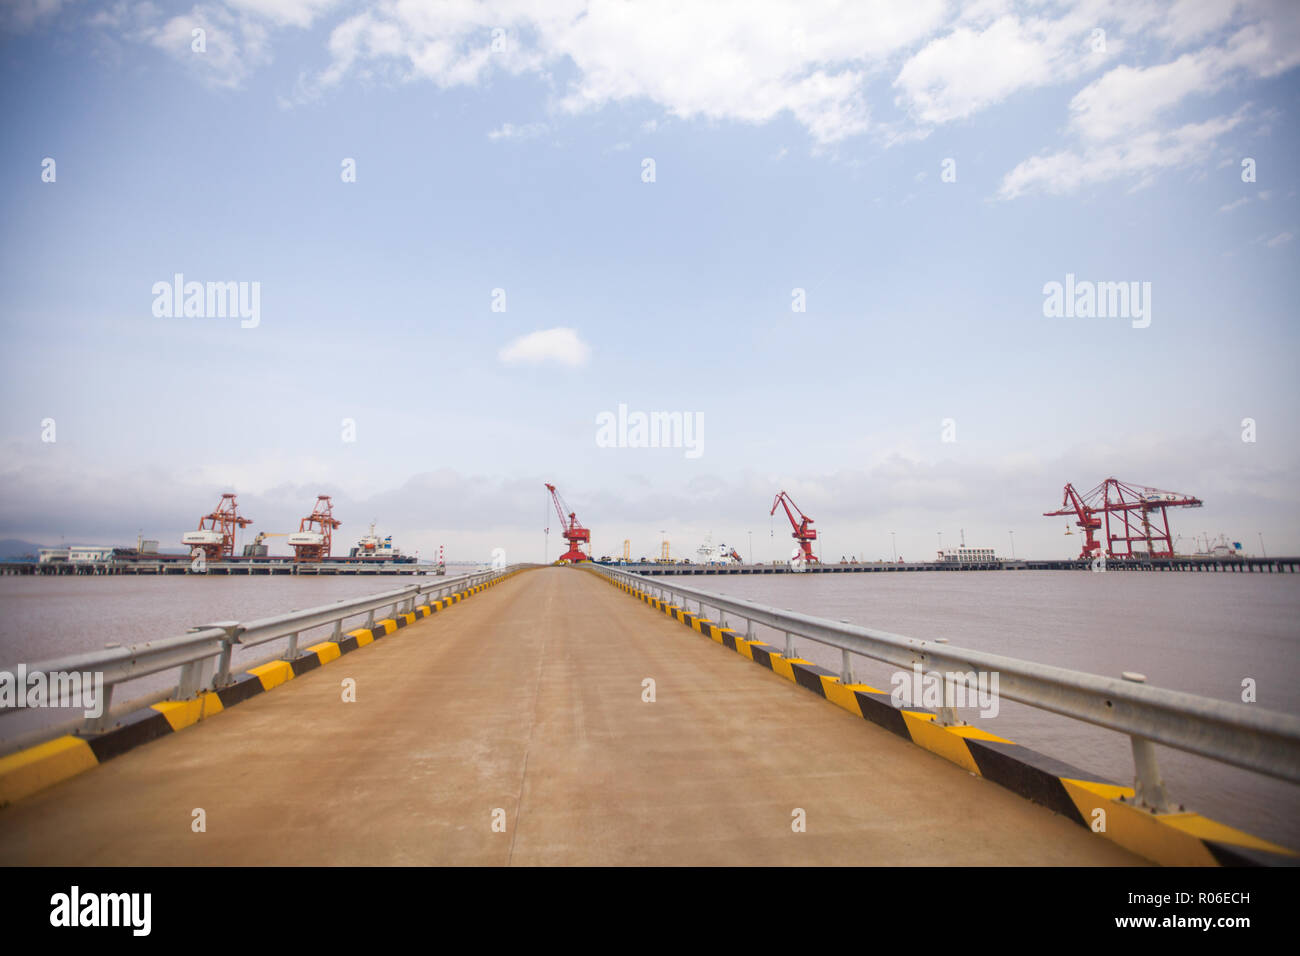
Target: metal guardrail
{"type": "Point", "coordinates": [1241, 735]}
{"type": "Point", "coordinates": [203, 654]}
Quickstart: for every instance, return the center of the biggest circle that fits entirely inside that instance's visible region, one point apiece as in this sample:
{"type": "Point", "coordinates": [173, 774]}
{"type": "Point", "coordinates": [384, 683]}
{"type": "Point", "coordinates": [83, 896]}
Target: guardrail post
{"type": "Point", "coordinates": [293, 646]}
{"type": "Point", "coordinates": [194, 677]}
{"type": "Point", "coordinates": [948, 712]}
{"type": "Point", "coordinates": [789, 644]}
{"type": "Point", "coordinates": [233, 630]}
{"type": "Point", "coordinates": [338, 631]}
{"type": "Point", "coordinates": [370, 618]}
{"type": "Point", "coordinates": [95, 725]}
{"type": "Point", "coordinates": [846, 662]}
{"type": "Point", "coordinates": [947, 716]}
{"type": "Point", "coordinates": [1147, 782]}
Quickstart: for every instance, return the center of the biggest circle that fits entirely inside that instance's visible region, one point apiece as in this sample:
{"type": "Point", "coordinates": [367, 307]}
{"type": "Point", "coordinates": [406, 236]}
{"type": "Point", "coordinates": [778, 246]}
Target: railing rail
{"type": "Point", "coordinates": [1242, 735]}
{"type": "Point", "coordinates": [204, 653]}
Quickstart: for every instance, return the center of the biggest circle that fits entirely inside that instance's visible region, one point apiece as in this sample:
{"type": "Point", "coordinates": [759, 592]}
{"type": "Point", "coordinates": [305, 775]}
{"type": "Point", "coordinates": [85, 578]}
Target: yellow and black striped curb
{"type": "Point", "coordinates": [35, 768]}
{"type": "Point", "coordinates": [1170, 839]}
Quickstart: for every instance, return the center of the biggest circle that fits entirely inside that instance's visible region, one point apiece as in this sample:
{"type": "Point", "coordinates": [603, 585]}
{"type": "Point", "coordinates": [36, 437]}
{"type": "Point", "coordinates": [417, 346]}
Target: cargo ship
{"type": "Point", "coordinates": [708, 554]}
{"type": "Point", "coordinates": [371, 547]}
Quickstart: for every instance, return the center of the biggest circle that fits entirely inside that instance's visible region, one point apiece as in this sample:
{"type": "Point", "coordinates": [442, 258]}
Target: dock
{"type": "Point", "coordinates": [553, 720]}
{"type": "Point", "coordinates": [182, 566]}
{"type": "Point", "coordinates": [1282, 565]}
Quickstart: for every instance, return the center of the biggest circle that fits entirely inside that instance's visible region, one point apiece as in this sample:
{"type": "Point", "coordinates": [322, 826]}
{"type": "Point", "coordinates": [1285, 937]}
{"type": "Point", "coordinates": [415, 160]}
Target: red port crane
{"type": "Point", "coordinates": [573, 532]}
{"type": "Point", "coordinates": [1140, 513]}
{"type": "Point", "coordinates": [803, 530]}
{"type": "Point", "coordinates": [216, 534]}
{"type": "Point", "coordinates": [1086, 517]}
{"type": "Point", "coordinates": [315, 533]}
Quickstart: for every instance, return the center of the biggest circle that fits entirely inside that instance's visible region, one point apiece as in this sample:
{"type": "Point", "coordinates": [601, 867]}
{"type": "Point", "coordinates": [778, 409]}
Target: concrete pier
{"type": "Point", "coordinates": [512, 730]}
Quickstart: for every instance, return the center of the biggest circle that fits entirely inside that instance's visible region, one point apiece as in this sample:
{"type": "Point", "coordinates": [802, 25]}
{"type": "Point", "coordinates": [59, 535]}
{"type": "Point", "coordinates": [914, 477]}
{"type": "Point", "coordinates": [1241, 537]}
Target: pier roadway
{"type": "Point", "coordinates": [524, 707]}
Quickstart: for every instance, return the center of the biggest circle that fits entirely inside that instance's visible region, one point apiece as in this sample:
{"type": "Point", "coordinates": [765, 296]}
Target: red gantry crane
{"type": "Point", "coordinates": [216, 534]}
{"type": "Point", "coordinates": [1140, 517]}
{"type": "Point", "coordinates": [314, 537]}
{"type": "Point", "coordinates": [573, 532]}
{"type": "Point", "coordinates": [803, 530]}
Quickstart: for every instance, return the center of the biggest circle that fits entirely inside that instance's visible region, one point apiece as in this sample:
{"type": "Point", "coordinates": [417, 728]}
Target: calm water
{"type": "Point", "coordinates": [1199, 633]}
{"type": "Point", "coordinates": [46, 617]}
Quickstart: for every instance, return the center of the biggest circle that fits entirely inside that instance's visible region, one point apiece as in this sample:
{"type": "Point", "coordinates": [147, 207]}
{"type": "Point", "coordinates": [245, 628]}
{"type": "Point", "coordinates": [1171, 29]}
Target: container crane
{"type": "Point", "coordinates": [1072, 504]}
{"type": "Point", "coordinates": [803, 530]}
{"type": "Point", "coordinates": [572, 531]}
{"type": "Point", "coordinates": [314, 537]}
{"type": "Point", "coordinates": [1140, 513]}
{"type": "Point", "coordinates": [215, 536]}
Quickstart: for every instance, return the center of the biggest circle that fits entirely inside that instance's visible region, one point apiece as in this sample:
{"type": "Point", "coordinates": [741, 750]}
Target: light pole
{"type": "Point", "coordinates": [893, 543]}
{"type": "Point", "coordinates": [940, 543]}
{"type": "Point", "coordinates": [1261, 543]}
{"type": "Point", "coordinates": [751, 546]}
{"type": "Point", "coordinates": [1013, 544]}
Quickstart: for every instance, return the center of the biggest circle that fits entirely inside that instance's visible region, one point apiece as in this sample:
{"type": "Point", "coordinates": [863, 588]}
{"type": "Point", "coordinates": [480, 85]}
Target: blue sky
{"type": "Point", "coordinates": [795, 146]}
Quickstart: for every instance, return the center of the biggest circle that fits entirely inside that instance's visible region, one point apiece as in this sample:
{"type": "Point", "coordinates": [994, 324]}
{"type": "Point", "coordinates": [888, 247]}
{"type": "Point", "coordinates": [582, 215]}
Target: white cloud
{"type": "Point", "coordinates": [1127, 98]}
{"type": "Point", "coordinates": [511, 131]}
{"type": "Point", "coordinates": [968, 70]}
{"type": "Point", "coordinates": [1280, 239]}
{"type": "Point", "coordinates": [548, 345]}
{"type": "Point", "coordinates": [298, 13]}
{"type": "Point", "coordinates": [1236, 203]}
{"type": "Point", "coordinates": [716, 61]}
{"type": "Point", "coordinates": [1141, 156]}
{"type": "Point", "coordinates": [233, 46]}
{"type": "Point", "coordinates": [1117, 117]}
{"type": "Point", "coordinates": [1130, 98]}
{"type": "Point", "coordinates": [997, 48]}
{"type": "Point", "coordinates": [1193, 19]}
{"type": "Point", "coordinates": [751, 61]}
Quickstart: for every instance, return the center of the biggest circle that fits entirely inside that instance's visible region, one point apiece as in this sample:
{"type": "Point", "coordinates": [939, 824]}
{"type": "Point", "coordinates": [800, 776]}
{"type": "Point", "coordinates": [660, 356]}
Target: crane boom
{"type": "Point", "coordinates": [571, 529]}
{"type": "Point", "coordinates": [803, 531]}
{"type": "Point", "coordinates": [1087, 520]}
